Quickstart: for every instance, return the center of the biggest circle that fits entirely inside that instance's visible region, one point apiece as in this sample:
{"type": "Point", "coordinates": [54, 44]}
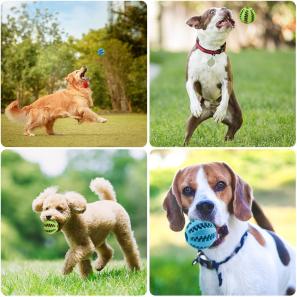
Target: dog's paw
{"type": "Point", "coordinates": [99, 265]}
{"type": "Point", "coordinates": [29, 134]}
{"type": "Point", "coordinates": [102, 120]}
{"type": "Point", "coordinates": [220, 113]}
{"type": "Point", "coordinates": [196, 108]}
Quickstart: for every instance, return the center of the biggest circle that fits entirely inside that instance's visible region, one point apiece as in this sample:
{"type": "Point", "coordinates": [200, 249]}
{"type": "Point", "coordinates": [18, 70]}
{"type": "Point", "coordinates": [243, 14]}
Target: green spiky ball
{"type": "Point", "coordinates": [50, 227]}
{"type": "Point", "coordinates": [247, 15]}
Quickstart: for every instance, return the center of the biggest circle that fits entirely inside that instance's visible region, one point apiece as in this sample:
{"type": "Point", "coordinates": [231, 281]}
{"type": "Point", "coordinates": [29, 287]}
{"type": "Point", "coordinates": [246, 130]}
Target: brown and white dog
{"type": "Point", "coordinates": [209, 80]}
{"type": "Point", "coordinates": [73, 102]}
{"type": "Point", "coordinates": [252, 259]}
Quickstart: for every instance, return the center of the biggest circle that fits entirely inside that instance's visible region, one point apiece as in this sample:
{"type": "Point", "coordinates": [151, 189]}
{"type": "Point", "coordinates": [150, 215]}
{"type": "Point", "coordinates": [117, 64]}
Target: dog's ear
{"type": "Point", "coordinates": [69, 78]}
{"type": "Point", "coordinates": [76, 202]}
{"type": "Point", "coordinates": [195, 21]}
{"type": "Point", "coordinates": [242, 197]}
{"type": "Point", "coordinates": [173, 207]}
{"type": "Point", "coordinates": [38, 201]}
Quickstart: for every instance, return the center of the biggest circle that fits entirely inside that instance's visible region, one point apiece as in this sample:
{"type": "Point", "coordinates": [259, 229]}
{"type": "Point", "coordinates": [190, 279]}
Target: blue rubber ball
{"type": "Point", "coordinates": [101, 51]}
{"type": "Point", "coordinates": [200, 234]}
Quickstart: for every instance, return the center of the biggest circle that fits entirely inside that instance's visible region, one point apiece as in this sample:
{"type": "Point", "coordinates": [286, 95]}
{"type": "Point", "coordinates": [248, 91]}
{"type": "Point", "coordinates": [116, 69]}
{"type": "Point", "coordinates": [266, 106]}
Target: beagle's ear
{"type": "Point", "coordinates": [38, 201]}
{"type": "Point", "coordinates": [173, 208]}
{"type": "Point", "coordinates": [76, 202]}
{"type": "Point", "coordinates": [195, 22]}
{"type": "Point", "coordinates": [242, 197]}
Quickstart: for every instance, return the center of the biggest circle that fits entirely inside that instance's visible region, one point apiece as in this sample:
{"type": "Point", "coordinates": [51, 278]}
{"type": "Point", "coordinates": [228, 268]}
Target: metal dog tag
{"type": "Point", "coordinates": [211, 62]}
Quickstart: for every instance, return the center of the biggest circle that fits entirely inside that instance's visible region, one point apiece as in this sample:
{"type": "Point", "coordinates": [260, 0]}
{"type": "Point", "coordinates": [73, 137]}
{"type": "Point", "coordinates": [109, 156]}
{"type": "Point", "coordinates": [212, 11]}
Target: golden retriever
{"type": "Point", "coordinates": [74, 102]}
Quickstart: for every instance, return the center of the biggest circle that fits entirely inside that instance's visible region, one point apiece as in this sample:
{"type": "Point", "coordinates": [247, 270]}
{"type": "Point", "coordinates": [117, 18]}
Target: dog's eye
{"type": "Point", "coordinates": [212, 11]}
{"type": "Point", "coordinates": [220, 186]}
{"type": "Point", "coordinates": [47, 208]}
{"type": "Point", "coordinates": [58, 208]}
{"type": "Point", "coordinates": [188, 191]}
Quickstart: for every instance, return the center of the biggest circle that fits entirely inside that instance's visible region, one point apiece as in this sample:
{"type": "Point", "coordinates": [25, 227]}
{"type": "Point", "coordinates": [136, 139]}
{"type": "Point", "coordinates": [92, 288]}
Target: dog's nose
{"type": "Point", "coordinates": [205, 207]}
{"type": "Point", "coordinates": [48, 217]}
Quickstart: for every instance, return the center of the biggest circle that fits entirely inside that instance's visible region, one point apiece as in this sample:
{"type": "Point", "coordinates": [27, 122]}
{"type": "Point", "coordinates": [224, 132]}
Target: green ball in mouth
{"type": "Point", "coordinates": [50, 226]}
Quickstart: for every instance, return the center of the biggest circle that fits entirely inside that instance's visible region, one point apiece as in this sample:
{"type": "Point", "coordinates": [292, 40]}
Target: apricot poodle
{"type": "Point", "coordinates": [86, 225]}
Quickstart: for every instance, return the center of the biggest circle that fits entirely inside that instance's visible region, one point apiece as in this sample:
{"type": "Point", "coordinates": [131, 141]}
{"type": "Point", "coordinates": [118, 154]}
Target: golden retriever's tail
{"type": "Point", "coordinates": [103, 188]}
{"type": "Point", "coordinates": [14, 113]}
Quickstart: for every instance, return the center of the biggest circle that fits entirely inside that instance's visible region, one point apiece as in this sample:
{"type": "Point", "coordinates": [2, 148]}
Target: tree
{"type": "Point", "coordinates": [116, 64]}
{"type": "Point", "coordinates": [131, 27]}
{"type": "Point", "coordinates": [24, 38]}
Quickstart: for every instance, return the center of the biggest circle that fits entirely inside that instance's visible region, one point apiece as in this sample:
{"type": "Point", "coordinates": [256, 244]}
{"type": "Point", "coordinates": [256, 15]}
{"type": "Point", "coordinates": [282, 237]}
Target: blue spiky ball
{"type": "Point", "coordinates": [101, 51]}
{"type": "Point", "coordinates": [200, 234]}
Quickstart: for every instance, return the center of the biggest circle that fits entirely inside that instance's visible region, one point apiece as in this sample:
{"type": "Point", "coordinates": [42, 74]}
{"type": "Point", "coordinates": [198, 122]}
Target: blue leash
{"type": "Point", "coordinates": [211, 264]}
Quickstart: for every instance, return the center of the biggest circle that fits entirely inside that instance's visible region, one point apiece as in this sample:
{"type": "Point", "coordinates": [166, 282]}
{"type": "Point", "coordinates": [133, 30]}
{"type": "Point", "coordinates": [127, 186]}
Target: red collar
{"type": "Point", "coordinates": [210, 52]}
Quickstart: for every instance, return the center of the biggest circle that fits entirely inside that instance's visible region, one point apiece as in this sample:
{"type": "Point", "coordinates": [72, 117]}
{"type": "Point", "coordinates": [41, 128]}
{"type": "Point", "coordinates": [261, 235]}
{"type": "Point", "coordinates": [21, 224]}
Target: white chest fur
{"type": "Point", "coordinates": [208, 76]}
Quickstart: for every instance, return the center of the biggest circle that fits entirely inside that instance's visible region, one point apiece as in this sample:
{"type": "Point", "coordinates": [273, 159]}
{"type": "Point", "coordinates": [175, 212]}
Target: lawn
{"type": "Point", "coordinates": [120, 130]}
{"type": "Point", "coordinates": [264, 83]}
{"type": "Point", "coordinates": [45, 278]}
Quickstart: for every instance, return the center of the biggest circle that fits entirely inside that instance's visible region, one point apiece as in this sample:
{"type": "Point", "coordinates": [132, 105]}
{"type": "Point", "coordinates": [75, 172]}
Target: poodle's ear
{"type": "Point", "coordinates": [38, 201]}
{"type": "Point", "coordinates": [76, 202]}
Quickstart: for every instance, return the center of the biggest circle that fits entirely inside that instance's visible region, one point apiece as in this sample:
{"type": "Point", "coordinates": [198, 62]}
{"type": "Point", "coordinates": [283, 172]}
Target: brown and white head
{"type": "Point", "coordinates": [77, 78]}
{"type": "Point", "coordinates": [213, 25]}
{"type": "Point", "coordinates": [211, 192]}
{"type": "Point", "coordinates": [58, 207]}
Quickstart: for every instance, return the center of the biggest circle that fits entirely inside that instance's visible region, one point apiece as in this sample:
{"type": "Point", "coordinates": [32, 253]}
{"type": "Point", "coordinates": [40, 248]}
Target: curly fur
{"type": "Point", "coordinates": [87, 225]}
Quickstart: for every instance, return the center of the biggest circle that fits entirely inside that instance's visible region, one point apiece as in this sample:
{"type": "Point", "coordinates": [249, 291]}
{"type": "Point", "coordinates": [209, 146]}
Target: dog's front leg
{"type": "Point", "coordinates": [74, 256]}
{"type": "Point", "coordinates": [221, 111]}
{"type": "Point", "coordinates": [195, 104]}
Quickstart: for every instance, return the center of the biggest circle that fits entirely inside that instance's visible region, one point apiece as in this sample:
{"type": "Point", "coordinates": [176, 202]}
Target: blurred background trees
{"type": "Point", "coordinates": [274, 27]}
{"type": "Point", "coordinates": [22, 234]}
{"type": "Point", "coordinates": [37, 55]}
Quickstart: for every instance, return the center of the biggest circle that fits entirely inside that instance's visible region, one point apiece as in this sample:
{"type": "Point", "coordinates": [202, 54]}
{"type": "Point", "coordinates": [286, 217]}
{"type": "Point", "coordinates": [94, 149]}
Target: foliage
{"type": "Point", "coordinates": [266, 94]}
{"type": "Point", "coordinates": [36, 57]}
{"type": "Point", "coordinates": [120, 130]}
{"type": "Point", "coordinates": [22, 235]}
{"type": "Point", "coordinates": [45, 278]}
{"type": "Point", "coordinates": [130, 27]}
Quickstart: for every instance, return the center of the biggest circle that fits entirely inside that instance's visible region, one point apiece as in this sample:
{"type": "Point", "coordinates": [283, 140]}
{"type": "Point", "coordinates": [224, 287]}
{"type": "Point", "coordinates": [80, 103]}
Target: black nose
{"type": "Point", "coordinates": [48, 217]}
{"type": "Point", "coordinates": [205, 207]}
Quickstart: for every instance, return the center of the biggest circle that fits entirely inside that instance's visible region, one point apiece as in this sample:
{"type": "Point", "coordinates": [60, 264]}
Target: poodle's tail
{"type": "Point", "coordinates": [14, 113]}
{"type": "Point", "coordinates": [103, 188]}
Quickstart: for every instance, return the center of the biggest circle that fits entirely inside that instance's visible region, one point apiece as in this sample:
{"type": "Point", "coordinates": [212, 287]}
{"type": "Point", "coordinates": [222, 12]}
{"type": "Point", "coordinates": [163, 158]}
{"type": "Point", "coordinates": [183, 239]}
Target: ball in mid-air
{"type": "Point", "coordinates": [200, 234]}
{"type": "Point", "coordinates": [50, 227]}
{"type": "Point", "coordinates": [247, 15]}
{"type": "Point", "coordinates": [101, 51]}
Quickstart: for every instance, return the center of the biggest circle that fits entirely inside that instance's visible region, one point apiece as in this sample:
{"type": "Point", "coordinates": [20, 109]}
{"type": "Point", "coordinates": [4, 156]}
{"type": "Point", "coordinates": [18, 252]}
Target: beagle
{"type": "Point", "coordinates": [245, 259]}
{"type": "Point", "coordinates": [209, 79]}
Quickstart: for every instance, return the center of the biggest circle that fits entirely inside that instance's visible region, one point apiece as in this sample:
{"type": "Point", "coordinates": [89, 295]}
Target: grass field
{"type": "Point", "coordinates": [45, 278]}
{"type": "Point", "coordinates": [264, 83]}
{"type": "Point", "coordinates": [120, 130]}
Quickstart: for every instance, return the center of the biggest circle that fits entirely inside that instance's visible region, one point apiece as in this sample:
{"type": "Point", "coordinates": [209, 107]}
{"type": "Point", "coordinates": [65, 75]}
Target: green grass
{"type": "Point", "coordinates": [120, 130]}
{"type": "Point", "coordinates": [45, 278]}
{"type": "Point", "coordinates": [264, 83]}
{"type": "Point", "coordinates": [172, 273]}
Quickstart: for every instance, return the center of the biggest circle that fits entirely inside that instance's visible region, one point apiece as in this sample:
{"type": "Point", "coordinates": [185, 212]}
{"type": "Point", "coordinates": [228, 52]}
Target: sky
{"type": "Point", "coordinates": [75, 17]}
{"type": "Point", "coordinates": [54, 161]}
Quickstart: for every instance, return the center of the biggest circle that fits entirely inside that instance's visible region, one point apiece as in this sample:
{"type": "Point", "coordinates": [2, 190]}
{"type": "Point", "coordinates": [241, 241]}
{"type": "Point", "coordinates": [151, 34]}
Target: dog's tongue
{"type": "Point", "coordinates": [85, 84]}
